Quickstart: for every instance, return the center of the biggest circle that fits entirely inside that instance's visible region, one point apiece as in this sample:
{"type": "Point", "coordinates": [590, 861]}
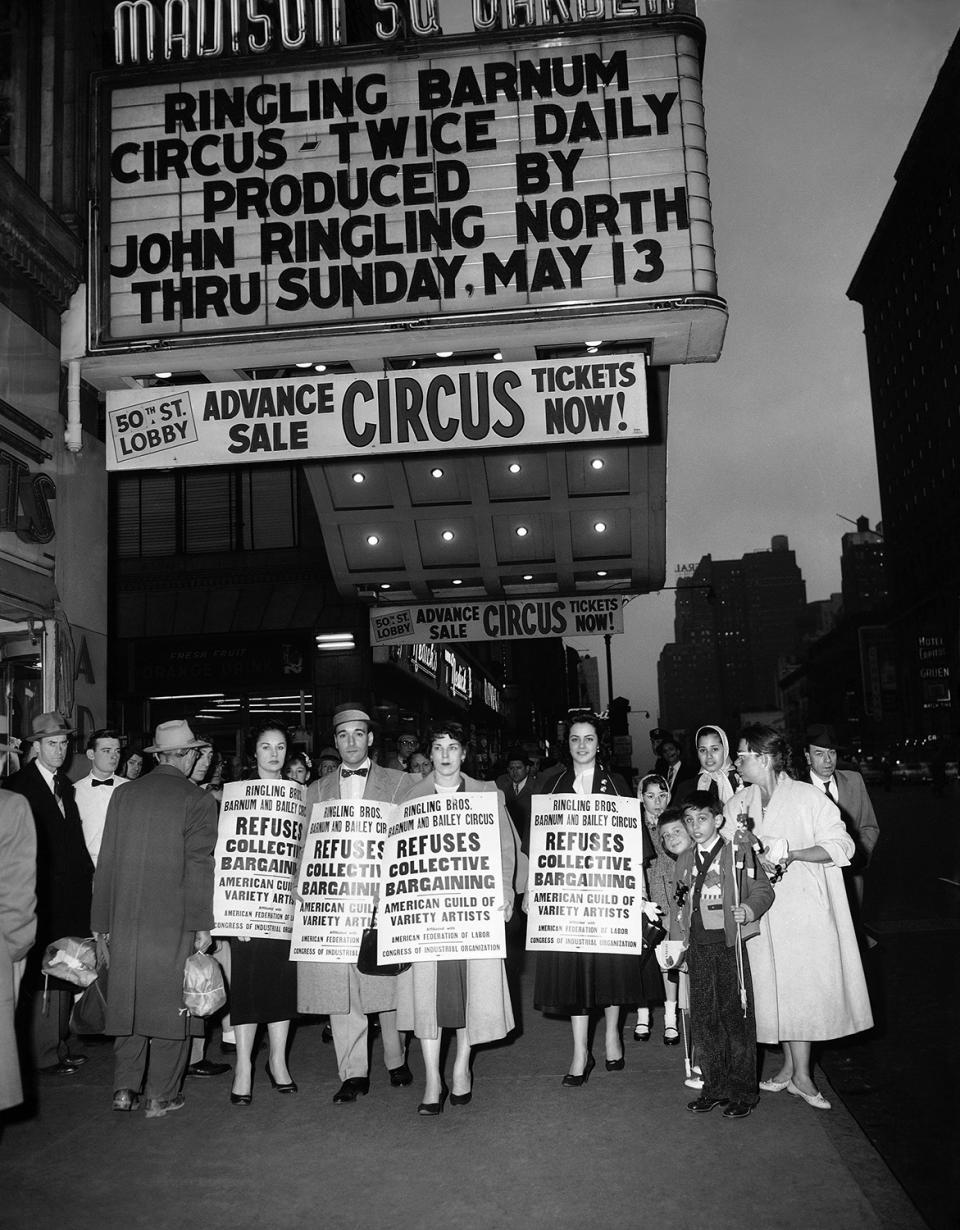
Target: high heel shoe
{"type": "Point", "coordinates": [289, 1087]}
{"type": "Point", "coordinates": [240, 1099]}
{"type": "Point", "coordinates": [461, 1099]}
{"type": "Point", "coordinates": [616, 1065]}
{"type": "Point", "coordinates": [574, 1082]}
{"type": "Point", "coordinates": [436, 1108]}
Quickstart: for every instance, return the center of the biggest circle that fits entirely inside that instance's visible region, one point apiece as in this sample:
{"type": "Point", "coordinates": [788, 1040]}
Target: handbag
{"type": "Point", "coordinates": [367, 956]}
{"type": "Point", "coordinates": [652, 934]}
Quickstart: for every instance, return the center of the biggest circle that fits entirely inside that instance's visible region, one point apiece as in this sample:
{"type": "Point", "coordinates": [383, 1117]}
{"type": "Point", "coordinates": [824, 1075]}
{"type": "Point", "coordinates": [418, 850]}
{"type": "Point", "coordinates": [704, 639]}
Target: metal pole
{"type": "Point", "coordinates": [606, 639]}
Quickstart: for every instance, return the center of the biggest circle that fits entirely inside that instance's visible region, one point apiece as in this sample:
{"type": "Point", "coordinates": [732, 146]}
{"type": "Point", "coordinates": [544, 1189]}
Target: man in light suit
{"type": "Point", "coordinates": [517, 786]}
{"type": "Point", "coordinates": [339, 989]}
{"type": "Point", "coordinates": [64, 885]}
{"type": "Point", "coordinates": [848, 791]}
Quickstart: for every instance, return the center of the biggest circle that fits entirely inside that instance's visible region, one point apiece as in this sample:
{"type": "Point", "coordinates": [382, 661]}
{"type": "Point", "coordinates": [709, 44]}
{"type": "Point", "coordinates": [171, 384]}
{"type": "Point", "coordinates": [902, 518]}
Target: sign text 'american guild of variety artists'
{"type": "Point", "coordinates": [501, 620]}
{"type": "Point", "coordinates": [585, 886]}
{"type": "Point", "coordinates": [489, 406]}
{"type": "Point", "coordinates": [441, 895]}
{"type": "Point", "coordinates": [339, 878]}
{"type": "Point", "coordinates": [485, 179]}
{"type": "Point", "coordinates": [259, 840]}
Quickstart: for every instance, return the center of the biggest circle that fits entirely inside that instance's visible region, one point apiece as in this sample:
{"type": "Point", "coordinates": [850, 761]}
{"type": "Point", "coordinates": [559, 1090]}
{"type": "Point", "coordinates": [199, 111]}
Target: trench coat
{"type": "Point", "coordinates": [489, 1013]}
{"type": "Point", "coordinates": [324, 986]}
{"type": "Point", "coordinates": [808, 981]}
{"type": "Point", "coordinates": [18, 927]}
{"type": "Point", "coordinates": [152, 891]}
{"type": "Point", "coordinates": [63, 866]}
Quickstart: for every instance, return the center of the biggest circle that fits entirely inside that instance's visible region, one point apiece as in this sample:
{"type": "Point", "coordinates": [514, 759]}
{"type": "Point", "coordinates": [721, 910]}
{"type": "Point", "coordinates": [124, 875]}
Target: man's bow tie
{"type": "Point", "coordinates": [101, 781]}
{"type": "Point", "coordinates": [354, 772]}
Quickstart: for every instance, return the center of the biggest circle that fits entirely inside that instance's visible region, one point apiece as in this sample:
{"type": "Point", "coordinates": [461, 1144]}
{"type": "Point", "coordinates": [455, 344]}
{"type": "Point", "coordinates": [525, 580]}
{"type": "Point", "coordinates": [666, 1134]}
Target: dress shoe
{"type": "Point", "coordinates": [125, 1099]}
{"type": "Point", "coordinates": [156, 1108]}
{"type": "Point", "coordinates": [288, 1087]}
{"type": "Point", "coordinates": [641, 1033]}
{"type": "Point", "coordinates": [574, 1082]}
{"type": "Point", "coordinates": [75, 1061]}
{"type": "Point", "coordinates": [736, 1110]}
{"type": "Point", "coordinates": [774, 1086]}
{"type": "Point", "coordinates": [204, 1067]}
{"type": "Point", "coordinates": [240, 1099]}
{"type": "Point", "coordinates": [400, 1076]}
{"type": "Point", "coordinates": [63, 1068]}
{"type": "Point", "coordinates": [671, 1035]}
{"type": "Point", "coordinates": [816, 1100]}
{"type": "Point", "coordinates": [228, 1048]}
{"type": "Point", "coordinates": [434, 1108]}
{"type": "Point", "coordinates": [704, 1105]}
{"type": "Point", "coordinates": [616, 1065]}
{"type": "Point", "coordinates": [352, 1088]}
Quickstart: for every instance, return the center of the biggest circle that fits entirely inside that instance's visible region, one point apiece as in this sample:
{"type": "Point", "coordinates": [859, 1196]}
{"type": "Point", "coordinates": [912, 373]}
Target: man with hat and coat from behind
{"type": "Point", "coordinates": [64, 876]}
{"type": "Point", "coordinates": [337, 989]}
{"type": "Point", "coordinates": [153, 904]}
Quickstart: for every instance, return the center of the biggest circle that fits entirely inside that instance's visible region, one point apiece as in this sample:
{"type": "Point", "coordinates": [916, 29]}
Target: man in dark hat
{"type": "Point", "coordinates": [64, 878]}
{"type": "Point", "coordinates": [847, 790]}
{"type": "Point", "coordinates": [338, 989]}
{"type": "Point", "coordinates": [153, 901]}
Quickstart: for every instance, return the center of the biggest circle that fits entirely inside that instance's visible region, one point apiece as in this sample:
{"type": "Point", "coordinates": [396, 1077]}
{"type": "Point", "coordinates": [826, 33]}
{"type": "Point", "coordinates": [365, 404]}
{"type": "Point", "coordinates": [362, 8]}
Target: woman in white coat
{"type": "Point", "coordinates": [472, 996]}
{"type": "Point", "coordinates": [807, 975]}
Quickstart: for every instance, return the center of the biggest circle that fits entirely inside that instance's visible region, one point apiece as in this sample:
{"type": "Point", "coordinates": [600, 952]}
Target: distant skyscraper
{"type": "Point", "coordinates": [862, 570]}
{"type": "Point", "coordinates": [736, 620]}
{"type": "Point", "coordinates": [908, 284]}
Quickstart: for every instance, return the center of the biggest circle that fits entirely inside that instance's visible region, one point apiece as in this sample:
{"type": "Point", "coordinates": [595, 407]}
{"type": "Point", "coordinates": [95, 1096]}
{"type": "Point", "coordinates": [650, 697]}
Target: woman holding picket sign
{"type": "Point", "coordinates": [470, 996]}
{"type": "Point", "coordinates": [263, 979]}
{"type": "Point", "coordinates": [575, 984]}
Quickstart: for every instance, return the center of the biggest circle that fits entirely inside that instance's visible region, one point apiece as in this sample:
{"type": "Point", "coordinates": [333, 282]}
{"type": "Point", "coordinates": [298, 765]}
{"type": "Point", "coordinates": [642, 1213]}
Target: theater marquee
{"type": "Point", "coordinates": [498, 180]}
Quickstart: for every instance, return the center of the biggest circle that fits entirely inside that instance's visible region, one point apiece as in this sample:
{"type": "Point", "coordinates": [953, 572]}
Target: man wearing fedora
{"type": "Point", "coordinates": [847, 790]}
{"type": "Point", "coordinates": [64, 876]}
{"type": "Point", "coordinates": [340, 990]}
{"type": "Point", "coordinates": [153, 904]}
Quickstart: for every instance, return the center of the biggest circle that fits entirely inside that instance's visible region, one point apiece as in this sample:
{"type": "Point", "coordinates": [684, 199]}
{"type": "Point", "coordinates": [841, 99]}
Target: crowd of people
{"type": "Point", "coordinates": [745, 865]}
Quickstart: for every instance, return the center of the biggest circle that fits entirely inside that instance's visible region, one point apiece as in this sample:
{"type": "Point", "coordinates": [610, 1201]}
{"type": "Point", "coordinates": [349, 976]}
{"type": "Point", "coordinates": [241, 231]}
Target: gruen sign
{"type": "Point", "coordinates": [485, 179]}
{"type": "Point", "coordinates": [354, 415]}
{"type": "Point", "coordinates": [502, 620]}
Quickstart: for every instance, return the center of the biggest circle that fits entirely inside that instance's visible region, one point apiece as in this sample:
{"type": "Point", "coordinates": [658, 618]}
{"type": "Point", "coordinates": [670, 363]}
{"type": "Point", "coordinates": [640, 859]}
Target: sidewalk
{"type": "Point", "coordinates": [622, 1150]}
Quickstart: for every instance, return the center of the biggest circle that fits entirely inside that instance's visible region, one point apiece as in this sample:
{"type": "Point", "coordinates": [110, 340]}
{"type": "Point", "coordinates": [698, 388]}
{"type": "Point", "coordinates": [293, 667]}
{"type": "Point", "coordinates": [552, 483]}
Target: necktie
{"type": "Point", "coordinates": [828, 791]}
{"type": "Point", "coordinates": [58, 793]}
{"type": "Point", "coordinates": [101, 781]}
{"type": "Point", "coordinates": [354, 772]}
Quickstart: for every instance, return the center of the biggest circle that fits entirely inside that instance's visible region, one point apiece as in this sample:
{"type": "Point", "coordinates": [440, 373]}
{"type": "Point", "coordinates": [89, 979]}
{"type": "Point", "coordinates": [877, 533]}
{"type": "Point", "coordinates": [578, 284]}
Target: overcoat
{"type": "Point", "coordinates": [324, 986]}
{"type": "Point", "coordinates": [18, 926]}
{"type": "Point", "coordinates": [489, 1013]}
{"type": "Point", "coordinates": [808, 979]}
{"type": "Point", "coordinates": [64, 868]}
{"type": "Point", "coordinates": [153, 890]}
{"type": "Point", "coordinates": [858, 815]}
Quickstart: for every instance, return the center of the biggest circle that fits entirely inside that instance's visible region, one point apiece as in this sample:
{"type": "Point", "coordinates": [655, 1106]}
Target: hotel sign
{"type": "Point", "coordinates": [493, 181]}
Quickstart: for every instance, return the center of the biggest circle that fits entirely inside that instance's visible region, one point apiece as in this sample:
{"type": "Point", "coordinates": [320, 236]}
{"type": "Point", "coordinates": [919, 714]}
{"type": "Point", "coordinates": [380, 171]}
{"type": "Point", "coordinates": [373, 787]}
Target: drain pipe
{"type": "Point", "coordinates": [73, 437]}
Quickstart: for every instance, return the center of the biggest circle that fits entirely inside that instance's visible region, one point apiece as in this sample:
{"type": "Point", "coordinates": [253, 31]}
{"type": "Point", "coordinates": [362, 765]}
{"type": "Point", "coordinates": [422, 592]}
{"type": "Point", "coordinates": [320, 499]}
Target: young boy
{"type": "Point", "coordinates": [719, 902]}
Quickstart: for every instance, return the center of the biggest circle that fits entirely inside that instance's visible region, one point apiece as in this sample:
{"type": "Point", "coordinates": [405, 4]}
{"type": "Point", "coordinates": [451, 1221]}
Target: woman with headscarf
{"type": "Point", "coordinates": [718, 774]}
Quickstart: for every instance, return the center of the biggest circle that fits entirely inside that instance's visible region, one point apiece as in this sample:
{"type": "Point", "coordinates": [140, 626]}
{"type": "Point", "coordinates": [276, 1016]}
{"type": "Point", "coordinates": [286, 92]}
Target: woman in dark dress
{"type": "Point", "coordinates": [263, 979]}
{"type": "Point", "coordinates": [574, 984]}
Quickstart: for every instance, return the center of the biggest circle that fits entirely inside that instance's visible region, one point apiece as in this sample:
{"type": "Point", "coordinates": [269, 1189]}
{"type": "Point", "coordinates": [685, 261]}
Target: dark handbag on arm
{"type": "Point", "coordinates": [367, 956]}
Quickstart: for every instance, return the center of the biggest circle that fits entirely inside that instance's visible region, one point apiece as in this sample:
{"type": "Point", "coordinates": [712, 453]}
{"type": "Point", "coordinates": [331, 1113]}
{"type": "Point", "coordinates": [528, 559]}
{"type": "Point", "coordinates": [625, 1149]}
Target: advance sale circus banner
{"type": "Point", "coordinates": [585, 888]}
{"type": "Point", "coordinates": [359, 414]}
{"type": "Point", "coordinates": [259, 841]}
{"type": "Point", "coordinates": [501, 620]}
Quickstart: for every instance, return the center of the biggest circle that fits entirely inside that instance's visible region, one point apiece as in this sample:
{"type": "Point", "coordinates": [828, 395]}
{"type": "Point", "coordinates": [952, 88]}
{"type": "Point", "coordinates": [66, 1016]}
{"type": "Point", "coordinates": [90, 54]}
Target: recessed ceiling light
{"type": "Point", "coordinates": [601, 574]}
{"type": "Point", "coordinates": [528, 576]}
{"type": "Point", "coordinates": [372, 540]}
{"type": "Point", "coordinates": [304, 365]}
{"type": "Point", "coordinates": [448, 535]}
{"type": "Point", "coordinates": [515, 467]}
{"type": "Point", "coordinates": [599, 342]}
{"type": "Point", "coordinates": [596, 463]}
{"type": "Point", "coordinates": [444, 354]}
{"type": "Point", "coordinates": [592, 349]}
{"type": "Point", "coordinates": [457, 581]}
{"type": "Point", "coordinates": [319, 367]}
{"type": "Point", "coordinates": [412, 362]}
{"type": "Point", "coordinates": [163, 375]}
{"type": "Point", "coordinates": [600, 526]}
{"type": "Point", "coordinates": [359, 478]}
{"type": "Point", "coordinates": [497, 355]}
{"type": "Point", "coordinates": [436, 472]}
{"type": "Point", "coordinates": [384, 584]}
{"type": "Point", "coordinates": [522, 531]}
